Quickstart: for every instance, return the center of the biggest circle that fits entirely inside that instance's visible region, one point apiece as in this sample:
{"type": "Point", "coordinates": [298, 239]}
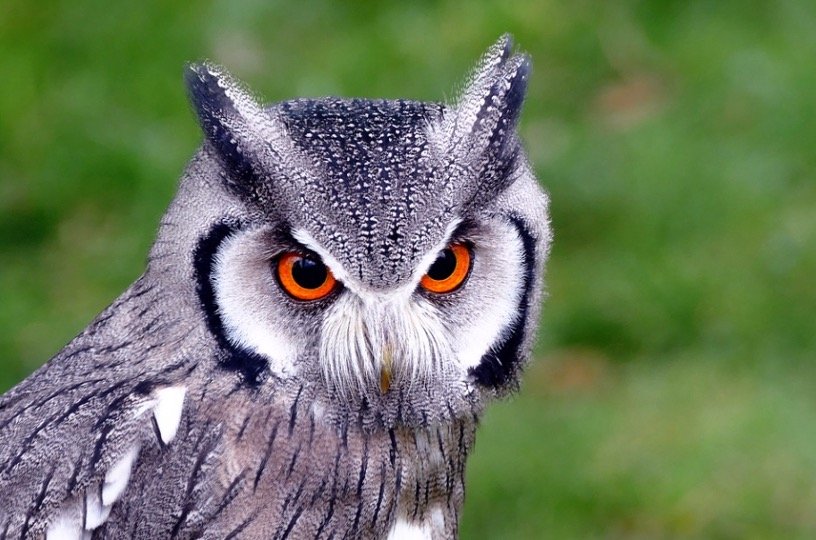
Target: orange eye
{"type": "Point", "coordinates": [449, 270]}
{"type": "Point", "coordinates": [304, 277]}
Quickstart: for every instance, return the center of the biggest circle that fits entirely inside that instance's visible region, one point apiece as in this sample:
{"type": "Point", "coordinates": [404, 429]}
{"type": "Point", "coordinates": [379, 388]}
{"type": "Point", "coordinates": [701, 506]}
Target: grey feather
{"type": "Point", "coordinates": [207, 402]}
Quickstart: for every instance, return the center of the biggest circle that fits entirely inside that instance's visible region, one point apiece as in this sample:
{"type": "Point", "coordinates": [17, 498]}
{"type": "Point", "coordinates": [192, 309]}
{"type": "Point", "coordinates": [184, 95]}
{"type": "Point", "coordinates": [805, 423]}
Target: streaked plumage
{"type": "Point", "coordinates": [207, 402]}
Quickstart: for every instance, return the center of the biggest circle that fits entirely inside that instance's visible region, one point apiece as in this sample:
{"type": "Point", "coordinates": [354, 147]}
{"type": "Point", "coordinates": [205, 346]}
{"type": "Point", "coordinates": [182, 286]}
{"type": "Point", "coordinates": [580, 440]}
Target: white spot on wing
{"type": "Point", "coordinates": [166, 405]}
{"type": "Point", "coordinates": [117, 477]}
{"type": "Point", "coordinates": [95, 512]}
{"type": "Point", "coordinates": [143, 407]}
{"type": "Point", "coordinates": [437, 519]}
{"type": "Point", "coordinates": [318, 411]}
{"type": "Point", "coordinates": [406, 530]}
{"type": "Point", "coordinates": [170, 402]}
{"type": "Point", "coordinates": [77, 519]}
{"type": "Point", "coordinates": [67, 525]}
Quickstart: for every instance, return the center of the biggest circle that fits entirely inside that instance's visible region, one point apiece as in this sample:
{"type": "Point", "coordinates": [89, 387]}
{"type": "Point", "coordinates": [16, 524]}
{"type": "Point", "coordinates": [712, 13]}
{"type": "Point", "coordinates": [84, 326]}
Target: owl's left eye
{"type": "Point", "coordinates": [304, 277]}
{"type": "Point", "coordinates": [449, 271]}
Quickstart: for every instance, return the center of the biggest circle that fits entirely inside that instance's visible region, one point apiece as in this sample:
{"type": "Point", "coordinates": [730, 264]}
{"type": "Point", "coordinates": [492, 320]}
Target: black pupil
{"type": "Point", "coordinates": [309, 273]}
{"type": "Point", "coordinates": [443, 266]}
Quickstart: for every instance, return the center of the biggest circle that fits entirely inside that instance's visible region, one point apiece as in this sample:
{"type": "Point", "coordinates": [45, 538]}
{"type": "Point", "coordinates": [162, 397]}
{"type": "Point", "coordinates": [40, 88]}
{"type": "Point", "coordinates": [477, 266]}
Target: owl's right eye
{"type": "Point", "coordinates": [304, 277]}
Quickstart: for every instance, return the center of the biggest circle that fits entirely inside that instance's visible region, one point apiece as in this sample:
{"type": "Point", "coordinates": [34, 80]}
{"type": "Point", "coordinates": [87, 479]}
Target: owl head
{"type": "Point", "coordinates": [384, 254]}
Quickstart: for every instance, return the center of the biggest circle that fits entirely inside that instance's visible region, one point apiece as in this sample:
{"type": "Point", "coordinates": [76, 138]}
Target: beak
{"type": "Point", "coordinates": [386, 368]}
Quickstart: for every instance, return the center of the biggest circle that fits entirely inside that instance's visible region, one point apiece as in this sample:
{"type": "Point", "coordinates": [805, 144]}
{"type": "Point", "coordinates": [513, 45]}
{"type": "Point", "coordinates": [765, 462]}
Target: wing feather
{"type": "Point", "coordinates": [68, 444]}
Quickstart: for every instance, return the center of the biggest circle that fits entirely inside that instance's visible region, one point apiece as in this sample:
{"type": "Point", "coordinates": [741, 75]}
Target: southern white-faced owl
{"type": "Point", "coordinates": [337, 290]}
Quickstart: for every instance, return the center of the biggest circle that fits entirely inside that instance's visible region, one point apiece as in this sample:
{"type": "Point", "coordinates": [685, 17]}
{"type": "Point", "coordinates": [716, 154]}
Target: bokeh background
{"type": "Point", "coordinates": [673, 393]}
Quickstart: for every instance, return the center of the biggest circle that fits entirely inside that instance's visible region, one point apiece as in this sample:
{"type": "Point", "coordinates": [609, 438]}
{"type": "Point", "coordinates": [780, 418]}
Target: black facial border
{"type": "Point", "coordinates": [250, 366]}
{"type": "Point", "coordinates": [501, 362]}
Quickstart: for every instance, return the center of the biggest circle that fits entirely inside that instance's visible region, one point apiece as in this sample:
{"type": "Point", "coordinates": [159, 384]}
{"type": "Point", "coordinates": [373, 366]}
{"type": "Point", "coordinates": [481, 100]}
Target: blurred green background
{"type": "Point", "coordinates": [674, 392]}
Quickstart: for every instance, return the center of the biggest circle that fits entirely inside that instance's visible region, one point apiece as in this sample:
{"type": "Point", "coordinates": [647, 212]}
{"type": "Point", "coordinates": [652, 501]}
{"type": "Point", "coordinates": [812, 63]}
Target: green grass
{"type": "Point", "coordinates": [673, 395]}
{"type": "Point", "coordinates": [677, 449]}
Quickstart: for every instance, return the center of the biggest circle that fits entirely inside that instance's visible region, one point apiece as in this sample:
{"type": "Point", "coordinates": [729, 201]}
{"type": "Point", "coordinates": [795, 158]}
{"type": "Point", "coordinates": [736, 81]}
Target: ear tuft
{"type": "Point", "coordinates": [478, 132]}
{"type": "Point", "coordinates": [492, 100]}
{"type": "Point", "coordinates": [501, 106]}
{"type": "Point", "coordinates": [206, 84]}
{"type": "Point", "coordinates": [229, 117]}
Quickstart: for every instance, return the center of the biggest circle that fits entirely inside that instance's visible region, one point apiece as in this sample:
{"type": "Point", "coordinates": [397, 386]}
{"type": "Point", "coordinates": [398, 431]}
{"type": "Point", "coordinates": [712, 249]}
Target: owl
{"type": "Point", "coordinates": [336, 292]}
